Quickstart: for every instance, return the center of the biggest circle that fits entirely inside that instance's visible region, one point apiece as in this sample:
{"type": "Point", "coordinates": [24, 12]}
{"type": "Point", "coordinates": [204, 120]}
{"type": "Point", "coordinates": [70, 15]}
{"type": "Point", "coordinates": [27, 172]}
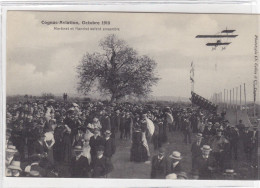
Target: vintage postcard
{"type": "Point", "coordinates": [124, 95]}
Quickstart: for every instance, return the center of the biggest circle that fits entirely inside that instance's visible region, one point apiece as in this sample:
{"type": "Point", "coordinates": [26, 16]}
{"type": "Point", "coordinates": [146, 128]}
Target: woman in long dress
{"type": "Point", "coordinates": [49, 142]}
{"type": "Point", "coordinates": [67, 144]}
{"type": "Point", "coordinates": [139, 152]}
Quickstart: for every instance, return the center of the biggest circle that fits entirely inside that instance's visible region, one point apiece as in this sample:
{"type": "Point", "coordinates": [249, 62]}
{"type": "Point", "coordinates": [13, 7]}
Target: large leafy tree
{"type": "Point", "coordinates": [119, 71]}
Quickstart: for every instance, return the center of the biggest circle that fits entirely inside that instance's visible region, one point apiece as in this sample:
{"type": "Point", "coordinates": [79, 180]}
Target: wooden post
{"type": "Point", "coordinates": [224, 97]}
{"type": "Point", "coordinates": [236, 103]}
{"type": "Point", "coordinates": [240, 103]}
{"type": "Point", "coordinates": [230, 98]}
{"type": "Point", "coordinates": [227, 98]}
{"type": "Point", "coordinates": [233, 98]}
{"type": "Point", "coordinates": [245, 95]}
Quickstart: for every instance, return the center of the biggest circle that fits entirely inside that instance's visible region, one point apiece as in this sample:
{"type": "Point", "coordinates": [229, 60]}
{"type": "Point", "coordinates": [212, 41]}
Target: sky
{"type": "Point", "coordinates": [41, 59]}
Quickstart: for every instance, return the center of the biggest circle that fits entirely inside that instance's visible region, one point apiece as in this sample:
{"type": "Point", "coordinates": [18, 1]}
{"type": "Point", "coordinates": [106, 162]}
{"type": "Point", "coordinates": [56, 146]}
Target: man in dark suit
{"type": "Point", "coordinates": [95, 141]}
{"type": "Point", "coordinates": [159, 165]}
{"type": "Point", "coordinates": [208, 133]}
{"type": "Point", "coordinates": [233, 139]}
{"type": "Point", "coordinates": [248, 146]}
{"type": "Point", "coordinates": [204, 164]}
{"type": "Point", "coordinates": [196, 148]}
{"type": "Point", "coordinates": [116, 122]}
{"type": "Point", "coordinates": [174, 163]}
{"type": "Point", "coordinates": [187, 130]}
{"type": "Point", "coordinates": [80, 166]}
{"type": "Point", "coordinates": [101, 165]}
{"type": "Point", "coordinates": [109, 145]}
{"type": "Point", "coordinates": [105, 122]}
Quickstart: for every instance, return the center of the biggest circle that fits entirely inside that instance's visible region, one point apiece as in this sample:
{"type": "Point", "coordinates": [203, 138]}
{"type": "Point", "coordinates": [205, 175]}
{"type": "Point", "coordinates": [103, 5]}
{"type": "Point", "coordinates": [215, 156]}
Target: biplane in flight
{"type": "Point", "coordinates": [225, 34]}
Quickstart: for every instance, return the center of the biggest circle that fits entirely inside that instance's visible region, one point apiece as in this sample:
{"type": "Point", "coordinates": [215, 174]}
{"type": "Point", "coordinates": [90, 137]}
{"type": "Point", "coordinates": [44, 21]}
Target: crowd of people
{"type": "Point", "coordinates": [42, 136]}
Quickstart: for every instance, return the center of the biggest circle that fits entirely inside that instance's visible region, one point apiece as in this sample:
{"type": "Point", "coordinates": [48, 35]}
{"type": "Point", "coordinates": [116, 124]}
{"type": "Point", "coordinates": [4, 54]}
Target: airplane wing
{"type": "Point", "coordinates": [228, 31]}
{"type": "Point", "coordinates": [218, 44]}
{"type": "Point", "coordinates": [216, 36]}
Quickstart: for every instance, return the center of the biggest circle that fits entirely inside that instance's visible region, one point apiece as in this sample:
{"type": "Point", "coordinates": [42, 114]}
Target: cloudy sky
{"type": "Point", "coordinates": [41, 59]}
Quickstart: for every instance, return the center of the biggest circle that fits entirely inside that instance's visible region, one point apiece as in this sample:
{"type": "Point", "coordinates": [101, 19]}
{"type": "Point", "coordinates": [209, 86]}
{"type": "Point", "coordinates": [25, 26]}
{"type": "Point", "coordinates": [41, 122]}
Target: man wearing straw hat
{"type": "Point", "coordinates": [204, 163]}
{"type": "Point", "coordinates": [229, 174]}
{"type": "Point", "coordinates": [174, 164]}
{"type": "Point", "coordinates": [11, 154]}
{"type": "Point", "coordinates": [15, 168]}
{"type": "Point", "coordinates": [80, 165]}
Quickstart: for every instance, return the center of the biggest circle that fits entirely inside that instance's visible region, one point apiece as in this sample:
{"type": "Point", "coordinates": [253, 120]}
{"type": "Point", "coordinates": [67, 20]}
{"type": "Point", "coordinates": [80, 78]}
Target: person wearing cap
{"type": "Point", "coordinates": [204, 164]}
{"type": "Point", "coordinates": [159, 165]}
{"type": "Point", "coordinates": [109, 145]}
{"type": "Point", "coordinates": [15, 168]}
{"type": "Point", "coordinates": [196, 148]}
{"type": "Point", "coordinates": [174, 163]}
{"type": "Point", "coordinates": [95, 141]}
{"type": "Point", "coordinates": [101, 165]}
{"type": "Point", "coordinates": [80, 166]}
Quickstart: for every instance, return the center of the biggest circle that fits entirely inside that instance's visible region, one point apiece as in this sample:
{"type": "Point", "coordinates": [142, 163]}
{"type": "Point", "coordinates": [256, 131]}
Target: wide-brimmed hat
{"type": "Point", "coordinates": [199, 135]}
{"type": "Point", "coordinates": [172, 176]}
{"type": "Point", "coordinates": [108, 132]}
{"type": "Point", "coordinates": [229, 172]}
{"type": "Point", "coordinates": [176, 155]}
{"type": "Point", "coordinates": [11, 149]}
{"type": "Point", "coordinates": [34, 173]}
{"type": "Point", "coordinates": [75, 104]}
{"type": "Point", "coordinates": [78, 148]}
{"type": "Point", "coordinates": [15, 165]}
{"type": "Point", "coordinates": [206, 148]}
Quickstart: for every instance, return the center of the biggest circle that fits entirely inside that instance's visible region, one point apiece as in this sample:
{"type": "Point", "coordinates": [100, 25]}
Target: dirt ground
{"type": "Point", "coordinates": [123, 168]}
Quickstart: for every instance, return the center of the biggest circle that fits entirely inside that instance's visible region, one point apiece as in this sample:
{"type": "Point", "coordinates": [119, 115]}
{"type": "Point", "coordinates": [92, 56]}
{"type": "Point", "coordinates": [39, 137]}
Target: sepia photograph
{"type": "Point", "coordinates": [127, 95]}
